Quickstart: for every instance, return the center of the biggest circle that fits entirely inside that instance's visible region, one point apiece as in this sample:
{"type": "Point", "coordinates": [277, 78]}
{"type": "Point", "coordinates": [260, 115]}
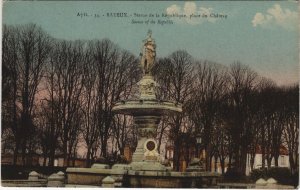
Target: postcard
{"type": "Point", "coordinates": [150, 94]}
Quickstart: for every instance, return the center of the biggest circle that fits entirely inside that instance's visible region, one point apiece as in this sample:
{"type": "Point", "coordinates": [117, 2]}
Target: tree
{"type": "Point", "coordinates": [122, 131]}
{"type": "Point", "coordinates": [204, 107]}
{"type": "Point", "coordinates": [27, 52]}
{"type": "Point", "coordinates": [272, 123]}
{"type": "Point", "coordinates": [89, 128]}
{"type": "Point", "coordinates": [221, 139]}
{"type": "Point", "coordinates": [67, 59]}
{"type": "Point", "coordinates": [176, 77]}
{"type": "Point", "coordinates": [117, 72]}
{"type": "Point", "coordinates": [48, 132]}
{"type": "Point", "coordinates": [291, 129]}
{"type": "Point", "coordinates": [10, 111]}
{"type": "Point", "coordinates": [241, 85]}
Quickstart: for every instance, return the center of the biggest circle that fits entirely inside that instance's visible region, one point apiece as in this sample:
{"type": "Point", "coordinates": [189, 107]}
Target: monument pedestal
{"type": "Point", "coordinates": [146, 157]}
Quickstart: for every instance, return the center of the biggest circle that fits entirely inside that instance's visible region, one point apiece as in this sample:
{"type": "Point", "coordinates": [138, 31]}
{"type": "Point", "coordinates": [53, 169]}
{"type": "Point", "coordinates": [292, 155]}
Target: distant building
{"type": "Point", "coordinates": [58, 161]}
{"type": "Point", "coordinates": [283, 160]}
{"type": "Point", "coordinates": [186, 154]}
{"type": "Point", "coordinates": [8, 158]}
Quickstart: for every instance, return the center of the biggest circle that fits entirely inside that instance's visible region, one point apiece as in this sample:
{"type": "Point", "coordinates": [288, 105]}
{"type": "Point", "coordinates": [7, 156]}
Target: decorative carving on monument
{"type": "Point", "coordinates": [147, 88]}
{"type": "Point", "coordinates": [148, 54]}
{"type": "Point", "coordinates": [147, 132]}
{"type": "Point", "coordinates": [150, 148]}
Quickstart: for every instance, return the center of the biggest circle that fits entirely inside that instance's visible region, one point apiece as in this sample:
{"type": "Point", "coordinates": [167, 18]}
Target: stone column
{"type": "Point", "coordinates": [146, 130]}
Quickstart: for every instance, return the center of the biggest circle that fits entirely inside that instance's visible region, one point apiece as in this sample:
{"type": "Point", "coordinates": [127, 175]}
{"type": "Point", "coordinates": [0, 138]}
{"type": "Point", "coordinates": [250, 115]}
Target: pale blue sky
{"type": "Point", "coordinates": [269, 44]}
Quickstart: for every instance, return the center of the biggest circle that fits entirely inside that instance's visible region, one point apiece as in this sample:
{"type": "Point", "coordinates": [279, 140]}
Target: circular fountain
{"type": "Point", "coordinates": [147, 111]}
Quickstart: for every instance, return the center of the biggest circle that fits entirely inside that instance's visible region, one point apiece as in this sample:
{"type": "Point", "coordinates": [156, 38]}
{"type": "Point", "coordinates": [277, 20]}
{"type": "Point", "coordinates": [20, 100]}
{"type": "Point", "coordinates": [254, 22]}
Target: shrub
{"type": "Point", "coordinates": [234, 175]}
{"type": "Point", "coordinates": [295, 179]}
{"type": "Point", "coordinates": [121, 160]}
{"type": "Point", "coordinates": [101, 160]}
{"type": "Point", "coordinates": [112, 159]}
{"type": "Point", "coordinates": [22, 172]}
{"type": "Point", "coordinates": [258, 173]}
{"type": "Point", "coordinates": [281, 175]}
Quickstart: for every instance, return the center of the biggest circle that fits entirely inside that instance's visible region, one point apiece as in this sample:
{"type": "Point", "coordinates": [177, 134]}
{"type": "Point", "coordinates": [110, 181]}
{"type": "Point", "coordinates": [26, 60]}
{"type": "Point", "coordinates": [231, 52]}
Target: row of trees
{"type": "Point", "coordinates": [233, 109]}
{"type": "Point", "coordinates": [57, 93]}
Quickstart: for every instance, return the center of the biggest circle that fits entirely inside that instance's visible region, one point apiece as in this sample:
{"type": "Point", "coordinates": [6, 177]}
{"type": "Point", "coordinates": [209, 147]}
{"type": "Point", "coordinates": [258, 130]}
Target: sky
{"type": "Point", "coordinates": [261, 34]}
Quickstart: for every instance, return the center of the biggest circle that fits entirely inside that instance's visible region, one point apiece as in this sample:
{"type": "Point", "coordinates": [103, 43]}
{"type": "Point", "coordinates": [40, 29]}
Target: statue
{"type": "Point", "coordinates": [196, 165]}
{"type": "Point", "coordinates": [148, 54]}
{"type": "Point", "coordinates": [147, 84]}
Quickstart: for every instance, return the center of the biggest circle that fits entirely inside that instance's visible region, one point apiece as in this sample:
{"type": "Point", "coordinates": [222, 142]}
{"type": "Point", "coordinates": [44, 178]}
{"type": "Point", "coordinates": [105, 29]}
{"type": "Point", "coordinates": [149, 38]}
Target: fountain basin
{"type": "Point", "coordinates": [93, 176]}
{"type": "Point", "coordinates": [171, 179]}
{"type": "Point", "coordinates": [146, 107]}
{"type": "Point", "coordinates": [133, 178]}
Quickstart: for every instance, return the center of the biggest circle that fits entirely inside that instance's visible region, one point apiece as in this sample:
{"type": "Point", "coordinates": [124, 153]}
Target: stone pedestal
{"type": "Point", "coordinates": [146, 156]}
{"type": "Point", "coordinates": [108, 182]}
{"type": "Point", "coordinates": [33, 176]}
{"type": "Point", "coordinates": [56, 180]}
{"type": "Point", "coordinates": [100, 166]}
{"type": "Point", "coordinates": [146, 133]}
{"type": "Point", "coordinates": [196, 165]}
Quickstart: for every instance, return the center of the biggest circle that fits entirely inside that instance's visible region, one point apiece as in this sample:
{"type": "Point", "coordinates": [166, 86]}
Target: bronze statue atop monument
{"type": "Point", "coordinates": [148, 54]}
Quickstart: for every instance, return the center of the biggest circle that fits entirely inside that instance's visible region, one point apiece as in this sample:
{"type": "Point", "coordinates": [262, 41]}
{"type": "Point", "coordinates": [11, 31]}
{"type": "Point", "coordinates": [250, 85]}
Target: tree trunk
{"type": "Point", "coordinates": [24, 153]}
{"type": "Point", "coordinates": [230, 161]}
{"type": "Point", "coordinates": [252, 159]}
{"type": "Point", "coordinates": [263, 157]}
{"type": "Point", "coordinates": [208, 158]}
{"type": "Point", "coordinates": [176, 155]}
{"type": "Point", "coordinates": [45, 159]}
{"type": "Point", "coordinates": [104, 148]}
{"type": "Point", "coordinates": [121, 149]}
{"type": "Point", "coordinates": [16, 151]}
{"type": "Point", "coordinates": [88, 157]}
{"type": "Point", "coordinates": [159, 141]}
{"type": "Point", "coordinates": [243, 161]}
{"type": "Point", "coordinates": [222, 162]}
{"type": "Point", "coordinates": [216, 162]}
{"type": "Point", "coordinates": [51, 156]}
{"type": "Point", "coordinates": [65, 153]}
{"type": "Point", "coordinates": [210, 163]}
{"type": "Point", "coordinates": [292, 164]}
{"type": "Point", "coordinates": [269, 162]}
{"type": "Point", "coordinates": [276, 160]}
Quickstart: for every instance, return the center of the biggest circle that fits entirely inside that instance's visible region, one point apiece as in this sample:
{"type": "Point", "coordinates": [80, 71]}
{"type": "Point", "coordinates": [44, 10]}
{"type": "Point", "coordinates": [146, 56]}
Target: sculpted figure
{"type": "Point", "coordinates": [148, 54]}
